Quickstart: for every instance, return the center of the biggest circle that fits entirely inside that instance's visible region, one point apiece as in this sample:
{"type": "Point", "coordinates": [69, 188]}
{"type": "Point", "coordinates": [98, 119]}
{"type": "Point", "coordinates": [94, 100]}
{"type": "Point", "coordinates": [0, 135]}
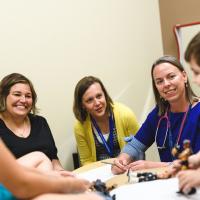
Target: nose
{"type": "Point", "coordinates": [96, 101]}
{"type": "Point", "coordinates": [166, 82]}
{"type": "Point", "coordinates": [22, 98]}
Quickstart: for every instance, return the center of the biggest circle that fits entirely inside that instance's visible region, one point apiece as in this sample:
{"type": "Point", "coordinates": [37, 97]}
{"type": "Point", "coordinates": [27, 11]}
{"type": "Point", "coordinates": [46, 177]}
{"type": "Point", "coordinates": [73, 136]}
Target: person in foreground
{"type": "Point", "coordinates": [175, 118]}
{"type": "Point", "coordinates": [19, 182]}
{"type": "Point", "coordinates": [26, 134]}
{"type": "Point", "coordinates": [191, 178]}
{"type": "Point", "coordinates": [101, 123]}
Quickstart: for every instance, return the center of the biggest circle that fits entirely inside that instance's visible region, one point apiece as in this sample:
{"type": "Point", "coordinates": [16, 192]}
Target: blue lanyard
{"type": "Point", "coordinates": [108, 147]}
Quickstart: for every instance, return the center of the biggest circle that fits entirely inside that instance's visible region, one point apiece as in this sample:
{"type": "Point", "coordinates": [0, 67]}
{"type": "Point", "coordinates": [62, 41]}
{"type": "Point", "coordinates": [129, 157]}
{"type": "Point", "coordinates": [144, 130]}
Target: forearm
{"type": "Point", "coordinates": [134, 148]}
{"type": "Point", "coordinates": [24, 182]}
{"type": "Point", "coordinates": [28, 182]}
{"type": "Point", "coordinates": [158, 164]}
{"type": "Point", "coordinates": [31, 184]}
{"type": "Point", "coordinates": [85, 196]}
{"type": "Point", "coordinates": [146, 164]}
{"type": "Point", "coordinates": [57, 165]}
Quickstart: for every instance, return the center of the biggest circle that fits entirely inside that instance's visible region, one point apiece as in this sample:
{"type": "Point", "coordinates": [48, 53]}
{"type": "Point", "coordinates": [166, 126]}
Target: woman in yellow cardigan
{"type": "Point", "coordinates": [101, 124]}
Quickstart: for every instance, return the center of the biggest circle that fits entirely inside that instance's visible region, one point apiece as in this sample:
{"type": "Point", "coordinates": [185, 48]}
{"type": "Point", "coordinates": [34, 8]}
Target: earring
{"type": "Point", "coordinates": [186, 84]}
{"type": "Point", "coordinates": [162, 99]}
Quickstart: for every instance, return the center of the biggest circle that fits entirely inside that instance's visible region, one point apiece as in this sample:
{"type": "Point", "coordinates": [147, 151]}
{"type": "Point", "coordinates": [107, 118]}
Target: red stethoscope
{"type": "Point", "coordinates": [168, 130]}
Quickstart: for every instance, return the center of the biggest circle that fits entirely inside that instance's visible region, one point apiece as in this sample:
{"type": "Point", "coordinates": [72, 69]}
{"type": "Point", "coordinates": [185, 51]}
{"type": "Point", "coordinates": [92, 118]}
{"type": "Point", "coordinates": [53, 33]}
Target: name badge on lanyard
{"type": "Point", "coordinates": [107, 145]}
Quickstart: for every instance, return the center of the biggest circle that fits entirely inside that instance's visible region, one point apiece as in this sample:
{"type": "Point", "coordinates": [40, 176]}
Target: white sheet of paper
{"type": "Point", "coordinates": [104, 173]}
{"type": "Point", "coordinates": [156, 190]}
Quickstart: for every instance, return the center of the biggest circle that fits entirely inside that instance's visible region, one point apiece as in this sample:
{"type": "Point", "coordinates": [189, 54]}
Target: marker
{"type": "Point", "coordinates": [109, 163]}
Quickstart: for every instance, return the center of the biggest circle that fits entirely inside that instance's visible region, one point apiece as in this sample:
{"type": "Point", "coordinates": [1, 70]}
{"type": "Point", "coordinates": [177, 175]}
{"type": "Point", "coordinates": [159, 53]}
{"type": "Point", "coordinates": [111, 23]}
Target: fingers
{"type": "Point", "coordinates": [184, 183]}
{"type": "Point", "coordinates": [174, 167]}
{"type": "Point", "coordinates": [142, 164]}
{"type": "Point", "coordinates": [137, 165]}
{"type": "Point", "coordinates": [119, 166]}
{"type": "Point", "coordinates": [194, 161]}
{"type": "Point", "coordinates": [188, 180]}
{"type": "Point", "coordinates": [164, 175]}
{"type": "Point", "coordinates": [83, 185]}
{"type": "Point", "coordinates": [76, 185]}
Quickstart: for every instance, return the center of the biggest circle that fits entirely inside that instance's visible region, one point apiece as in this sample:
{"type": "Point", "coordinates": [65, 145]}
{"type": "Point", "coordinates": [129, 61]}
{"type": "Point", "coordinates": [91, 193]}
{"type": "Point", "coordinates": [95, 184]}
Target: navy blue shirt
{"type": "Point", "coordinates": [191, 131]}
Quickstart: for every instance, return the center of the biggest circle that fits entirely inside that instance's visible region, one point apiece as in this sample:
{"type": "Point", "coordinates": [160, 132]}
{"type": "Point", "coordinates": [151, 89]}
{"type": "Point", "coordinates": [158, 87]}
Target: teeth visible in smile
{"type": "Point", "coordinates": [20, 106]}
{"type": "Point", "coordinates": [170, 91]}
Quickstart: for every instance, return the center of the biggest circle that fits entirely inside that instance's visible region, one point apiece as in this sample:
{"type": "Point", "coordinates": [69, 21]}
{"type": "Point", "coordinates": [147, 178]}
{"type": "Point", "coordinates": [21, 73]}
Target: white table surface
{"type": "Point", "coordinates": [153, 190]}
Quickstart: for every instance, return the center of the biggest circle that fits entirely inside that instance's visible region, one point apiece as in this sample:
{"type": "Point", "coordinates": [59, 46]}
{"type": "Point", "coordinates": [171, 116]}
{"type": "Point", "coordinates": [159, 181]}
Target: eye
{"type": "Point", "coordinates": [158, 82]}
{"type": "Point", "coordinates": [99, 96]}
{"type": "Point", "coordinates": [90, 100]}
{"type": "Point", "coordinates": [28, 96]}
{"type": "Point", "coordinates": [172, 76]}
{"type": "Point", "coordinates": [16, 94]}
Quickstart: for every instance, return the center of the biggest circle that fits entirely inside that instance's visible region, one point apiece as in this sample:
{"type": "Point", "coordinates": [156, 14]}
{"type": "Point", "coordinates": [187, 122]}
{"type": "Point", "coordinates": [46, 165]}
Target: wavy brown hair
{"type": "Point", "coordinates": [7, 82]}
{"type": "Point", "coordinates": [80, 89]}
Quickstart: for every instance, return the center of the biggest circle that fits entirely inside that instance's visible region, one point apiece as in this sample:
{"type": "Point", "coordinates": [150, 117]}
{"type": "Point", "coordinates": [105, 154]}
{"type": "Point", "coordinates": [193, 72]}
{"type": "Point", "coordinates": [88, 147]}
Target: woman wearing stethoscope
{"type": "Point", "coordinates": [176, 117]}
{"type": "Point", "coordinates": [101, 123]}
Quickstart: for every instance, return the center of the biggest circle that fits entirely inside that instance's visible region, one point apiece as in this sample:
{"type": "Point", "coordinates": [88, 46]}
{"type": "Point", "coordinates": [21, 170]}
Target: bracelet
{"type": "Point", "coordinates": [170, 163]}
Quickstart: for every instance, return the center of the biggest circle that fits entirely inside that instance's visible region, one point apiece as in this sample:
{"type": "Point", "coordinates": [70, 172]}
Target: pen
{"type": "Point", "coordinates": [109, 163]}
{"type": "Point", "coordinates": [128, 174]}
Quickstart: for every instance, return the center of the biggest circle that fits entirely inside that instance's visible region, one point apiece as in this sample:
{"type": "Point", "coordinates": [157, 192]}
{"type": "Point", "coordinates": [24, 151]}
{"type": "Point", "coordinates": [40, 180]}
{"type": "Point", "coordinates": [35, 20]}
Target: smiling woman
{"type": "Point", "coordinates": [170, 83]}
{"type": "Point", "coordinates": [174, 119]}
{"type": "Point", "coordinates": [26, 134]}
{"type": "Point", "coordinates": [18, 103]}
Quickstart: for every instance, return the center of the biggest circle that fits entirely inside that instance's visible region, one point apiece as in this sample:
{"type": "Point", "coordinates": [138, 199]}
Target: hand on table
{"type": "Point", "coordinates": [188, 179]}
{"type": "Point", "coordinates": [74, 185]}
{"type": "Point", "coordinates": [145, 164]}
{"type": "Point", "coordinates": [119, 166]}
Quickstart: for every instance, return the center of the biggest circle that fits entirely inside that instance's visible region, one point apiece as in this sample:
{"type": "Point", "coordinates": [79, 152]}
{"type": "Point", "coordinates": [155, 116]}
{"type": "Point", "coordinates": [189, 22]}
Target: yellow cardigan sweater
{"type": "Point", "coordinates": [125, 122]}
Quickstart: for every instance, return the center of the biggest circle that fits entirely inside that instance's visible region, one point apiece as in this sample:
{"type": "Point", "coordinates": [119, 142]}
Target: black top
{"type": "Point", "coordinates": [40, 138]}
{"type": "Point", "coordinates": [101, 152]}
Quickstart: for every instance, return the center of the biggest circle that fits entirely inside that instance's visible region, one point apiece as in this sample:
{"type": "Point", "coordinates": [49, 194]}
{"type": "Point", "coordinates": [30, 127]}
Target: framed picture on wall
{"type": "Point", "coordinates": [184, 33]}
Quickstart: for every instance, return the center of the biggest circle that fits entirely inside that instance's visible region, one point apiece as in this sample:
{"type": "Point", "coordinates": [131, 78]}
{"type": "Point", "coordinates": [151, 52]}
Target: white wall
{"type": "Point", "coordinates": [57, 42]}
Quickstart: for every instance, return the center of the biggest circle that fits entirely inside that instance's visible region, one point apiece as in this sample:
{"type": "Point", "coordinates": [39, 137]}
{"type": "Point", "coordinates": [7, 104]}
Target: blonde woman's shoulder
{"type": "Point", "coordinates": [195, 101]}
